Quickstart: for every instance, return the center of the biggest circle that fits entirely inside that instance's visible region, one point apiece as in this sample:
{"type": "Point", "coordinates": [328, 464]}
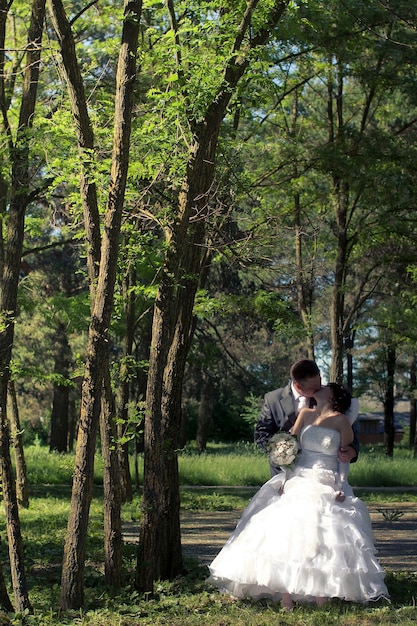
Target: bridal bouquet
{"type": "Point", "coordinates": [282, 449]}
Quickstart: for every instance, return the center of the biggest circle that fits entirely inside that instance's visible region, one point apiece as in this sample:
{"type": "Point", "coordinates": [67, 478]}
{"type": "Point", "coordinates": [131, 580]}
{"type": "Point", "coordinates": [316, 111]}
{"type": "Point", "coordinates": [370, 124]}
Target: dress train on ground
{"type": "Point", "coordinates": [303, 542]}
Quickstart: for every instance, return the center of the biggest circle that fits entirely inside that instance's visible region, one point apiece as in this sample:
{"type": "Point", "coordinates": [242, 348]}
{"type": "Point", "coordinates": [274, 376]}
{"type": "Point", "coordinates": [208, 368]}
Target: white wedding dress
{"type": "Point", "coordinates": [303, 541]}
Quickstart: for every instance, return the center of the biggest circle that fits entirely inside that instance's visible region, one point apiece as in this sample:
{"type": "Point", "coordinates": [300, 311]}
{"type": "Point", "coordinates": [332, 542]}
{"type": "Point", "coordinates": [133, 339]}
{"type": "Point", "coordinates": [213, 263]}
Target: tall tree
{"type": "Point", "coordinates": [20, 194]}
{"type": "Point", "coordinates": [112, 492]}
{"type": "Point", "coordinates": [60, 401]}
{"type": "Point", "coordinates": [22, 485]}
{"type": "Point", "coordinates": [72, 583]}
{"type": "Point", "coordinates": [413, 404]}
{"type": "Point", "coordinates": [341, 149]}
{"type": "Point", "coordinates": [160, 542]}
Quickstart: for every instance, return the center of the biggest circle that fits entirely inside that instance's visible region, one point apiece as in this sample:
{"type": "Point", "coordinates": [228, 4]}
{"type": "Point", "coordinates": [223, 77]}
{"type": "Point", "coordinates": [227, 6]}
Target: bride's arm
{"type": "Point", "coordinates": [300, 422]}
{"type": "Point", "coordinates": [346, 437]}
{"type": "Point", "coordinates": [346, 432]}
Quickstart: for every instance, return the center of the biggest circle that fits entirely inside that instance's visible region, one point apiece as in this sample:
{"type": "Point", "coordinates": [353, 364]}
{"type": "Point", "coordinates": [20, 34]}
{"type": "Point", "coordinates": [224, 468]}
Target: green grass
{"type": "Point", "coordinates": [241, 464]}
{"type": "Point", "coordinates": [53, 468]}
{"type": "Point", "coordinates": [208, 483]}
{"type": "Point", "coordinates": [373, 468]}
{"type": "Point", "coordinates": [244, 464]}
{"type": "Point", "coordinates": [233, 464]}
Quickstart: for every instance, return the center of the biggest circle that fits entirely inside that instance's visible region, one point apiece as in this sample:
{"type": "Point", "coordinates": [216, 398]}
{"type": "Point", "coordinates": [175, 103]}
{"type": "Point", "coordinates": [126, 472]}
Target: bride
{"type": "Point", "coordinates": [297, 540]}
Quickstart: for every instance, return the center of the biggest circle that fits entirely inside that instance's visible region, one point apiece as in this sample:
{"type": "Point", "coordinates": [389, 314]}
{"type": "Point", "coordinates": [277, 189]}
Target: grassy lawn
{"type": "Point", "coordinates": [188, 600]}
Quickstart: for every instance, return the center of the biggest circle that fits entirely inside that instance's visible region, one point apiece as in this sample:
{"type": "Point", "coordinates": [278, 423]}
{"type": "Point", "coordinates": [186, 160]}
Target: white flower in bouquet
{"type": "Point", "coordinates": [282, 449]}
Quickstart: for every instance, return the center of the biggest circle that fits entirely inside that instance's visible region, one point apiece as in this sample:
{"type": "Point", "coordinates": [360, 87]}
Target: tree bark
{"type": "Point", "coordinates": [142, 355]}
{"type": "Point", "coordinates": [72, 586]}
{"type": "Point", "coordinates": [205, 411]}
{"type": "Point", "coordinates": [60, 402]}
{"type": "Point", "coordinates": [160, 540]}
{"type": "Point", "coordinates": [72, 582]}
{"type": "Point", "coordinates": [389, 432]}
{"type": "Point", "coordinates": [4, 596]}
{"type": "Point", "coordinates": [304, 280]}
{"type": "Point", "coordinates": [22, 485]}
{"type": "Point", "coordinates": [20, 195]}
{"type": "Point", "coordinates": [71, 421]}
{"type": "Point", "coordinates": [85, 137]}
{"type": "Point", "coordinates": [413, 402]}
{"type": "Point", "coordinates": [160, 553]}
{"type": "Point", "coordinates": [340, 194]}
{"type": "Point", "coordinates": [129, 298]}
{"type": "Point", "coordinates": [349, 344]}
{"type": "Point", "coordinates": [112, 491]}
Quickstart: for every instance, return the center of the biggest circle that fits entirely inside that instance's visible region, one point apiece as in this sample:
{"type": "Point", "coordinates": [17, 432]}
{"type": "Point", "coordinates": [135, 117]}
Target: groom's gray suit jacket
{"type": "Point", "coordinates": [278, 413]}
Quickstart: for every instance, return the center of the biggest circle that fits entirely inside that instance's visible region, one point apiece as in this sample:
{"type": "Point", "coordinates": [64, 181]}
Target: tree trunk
{"type": "Point", "coordinates": [142, 357]}
{"type": "Point", "coordinates": [71, 421]}
{"type": "Point", "coordinates": [72, 583]}
{"type": "Point", "coordinates": [205, 411]}
{"type": "Point", "coordinates": [85, 137]}
{"type": "Point", "coordinates": [20, 195]}
{"type": "Point", "coordinates": [60, 402]}
{"type": "Point", "coordinates": [4, 596]}
{"type": "Point", "coordinates": [340, 203]}
{"type": "Point", "coordinates": [304, 279]}
{"type": "Point", "coordinates": [137, 451]}
{"type": "Point", "coordinates": [160, 539]}
{"type": "Point", "coordinates": [349, 343]}
{"type": "Point", "coordinates": [413, 402]}
{"type": "Point", "coordinates": [415, 447]}
{"type": "Point", "coordinates": [160, 554]}
{"type": "Point", "coordinates": [22, 486]}
{"type": "Point", "coordinates": [129, 298]}
{"type": "Point", "coordinates": [14, 535]}
{"type": "Point", "coordinates": [389, 432]}
{"type": "Point", "coordinates": [338, 299]}
{"type": "Point", "coordinates": [112, 491]}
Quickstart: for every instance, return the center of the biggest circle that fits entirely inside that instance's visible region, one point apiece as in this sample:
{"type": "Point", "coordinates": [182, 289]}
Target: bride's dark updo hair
{"type": "Point", "coordinates": [341, 397]}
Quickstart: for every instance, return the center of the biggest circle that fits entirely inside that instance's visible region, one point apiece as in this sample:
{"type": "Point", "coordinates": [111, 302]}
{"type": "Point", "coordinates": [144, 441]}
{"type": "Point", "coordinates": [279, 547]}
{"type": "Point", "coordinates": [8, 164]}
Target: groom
{"type": "Point", "coordinates": [281, 407]}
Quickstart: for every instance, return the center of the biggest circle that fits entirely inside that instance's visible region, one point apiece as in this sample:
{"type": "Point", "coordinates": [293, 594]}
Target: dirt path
{"type": "Point", "coordinates": [204, 533]}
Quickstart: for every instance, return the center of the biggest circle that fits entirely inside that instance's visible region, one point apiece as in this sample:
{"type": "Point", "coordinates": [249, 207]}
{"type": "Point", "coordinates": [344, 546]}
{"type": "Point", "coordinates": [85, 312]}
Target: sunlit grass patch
{"type": "Point", "coordinates": [244, 464]}
{"type": "Point", "coordinates": [216, 499]}
{"type": "Point", "coordinates": [230, 464]}
{"type": "Point", "coordinates": [53, 468]}
{"type": "Point", "coordinates": [374, 468]}
{"type": "Point", "coordinates": [219, 469]}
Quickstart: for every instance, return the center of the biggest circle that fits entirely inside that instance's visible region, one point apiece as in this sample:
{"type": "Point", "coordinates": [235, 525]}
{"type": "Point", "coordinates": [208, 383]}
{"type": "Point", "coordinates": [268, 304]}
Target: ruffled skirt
{"type": "Point", "coordinates": [302, 542]}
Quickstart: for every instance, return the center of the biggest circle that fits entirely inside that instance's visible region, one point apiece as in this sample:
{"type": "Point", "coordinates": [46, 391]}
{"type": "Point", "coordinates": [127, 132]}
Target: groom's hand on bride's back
{"type": "Point", "coordinates": [347, 454]}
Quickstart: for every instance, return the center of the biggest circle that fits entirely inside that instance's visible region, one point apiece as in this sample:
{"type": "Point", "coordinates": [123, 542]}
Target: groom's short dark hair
{"type": "Point", "coordinates": [304, 368]}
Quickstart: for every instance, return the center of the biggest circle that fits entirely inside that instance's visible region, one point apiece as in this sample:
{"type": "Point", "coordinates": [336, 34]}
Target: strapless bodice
{"type": "Point", "coordinates": [319, 447]}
